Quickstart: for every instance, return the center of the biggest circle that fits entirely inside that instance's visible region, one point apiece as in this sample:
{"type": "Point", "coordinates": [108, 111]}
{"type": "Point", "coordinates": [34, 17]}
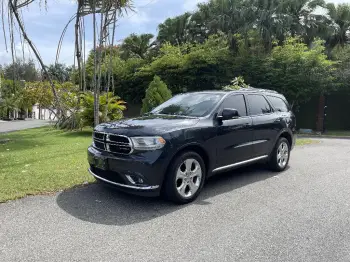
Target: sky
{"type": "Point", "coordinates": [44, 27]}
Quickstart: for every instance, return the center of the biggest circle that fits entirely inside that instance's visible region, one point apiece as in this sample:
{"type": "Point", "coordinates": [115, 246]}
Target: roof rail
{"type": "Point", "coordinates": [253, 89]}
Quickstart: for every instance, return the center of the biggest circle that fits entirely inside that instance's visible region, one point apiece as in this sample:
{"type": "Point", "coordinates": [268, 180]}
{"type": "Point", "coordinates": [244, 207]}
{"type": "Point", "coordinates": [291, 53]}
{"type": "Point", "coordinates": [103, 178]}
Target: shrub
{"type": "Point", "coordinates": [156, 94]}
{"type": "Point", "coordinates": [111, 108]}
{"type": "Point", "coordinates": [236, 83]}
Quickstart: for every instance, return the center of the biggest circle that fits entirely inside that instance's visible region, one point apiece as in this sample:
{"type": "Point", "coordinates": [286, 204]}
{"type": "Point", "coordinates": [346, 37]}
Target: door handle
{"type": "Point", "coordinates": [279, 119]}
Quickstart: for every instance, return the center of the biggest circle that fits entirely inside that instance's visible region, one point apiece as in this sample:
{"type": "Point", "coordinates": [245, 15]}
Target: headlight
{"type": "Point", "coordinates": [148, 143]}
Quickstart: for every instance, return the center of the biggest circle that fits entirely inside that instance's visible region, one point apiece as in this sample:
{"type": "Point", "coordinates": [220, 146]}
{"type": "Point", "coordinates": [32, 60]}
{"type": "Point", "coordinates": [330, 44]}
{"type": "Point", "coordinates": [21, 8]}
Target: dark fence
{"type": "Point", "coordinates": [337, 113]}
{"type": "Point", "coordinates": [132, 111]}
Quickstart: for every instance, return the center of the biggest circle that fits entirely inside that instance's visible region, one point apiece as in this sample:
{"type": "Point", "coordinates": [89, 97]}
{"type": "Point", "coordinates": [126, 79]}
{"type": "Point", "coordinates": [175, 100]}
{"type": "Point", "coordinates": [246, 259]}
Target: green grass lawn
{"type": "Point", "coordinates": [45, 160]}
{"type": "Point", "coordinates": [303, 142]}
{"type": "Point", "coordinates": [42, 160]}
{"type": "Point", "coordinates": [337, 133]}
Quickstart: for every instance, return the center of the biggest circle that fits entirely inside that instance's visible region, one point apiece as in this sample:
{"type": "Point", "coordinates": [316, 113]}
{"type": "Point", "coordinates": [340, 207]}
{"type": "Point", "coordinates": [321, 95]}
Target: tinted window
{"type": "Point", "coordinates": [258, 105]}
{"type": "Point", "coordinates": [235, 102]}
{"type": "Point", "coordinates": [190, 104]}
{"type": "Point", "coordinates": [278, 103]}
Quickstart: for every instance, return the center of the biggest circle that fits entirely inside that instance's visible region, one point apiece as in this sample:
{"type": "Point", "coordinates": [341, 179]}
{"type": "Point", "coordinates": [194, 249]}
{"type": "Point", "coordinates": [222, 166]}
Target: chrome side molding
{"type": "Point", "coordinates": [251, 143]}
{"type": "Point", "coordinates": [222, 168]}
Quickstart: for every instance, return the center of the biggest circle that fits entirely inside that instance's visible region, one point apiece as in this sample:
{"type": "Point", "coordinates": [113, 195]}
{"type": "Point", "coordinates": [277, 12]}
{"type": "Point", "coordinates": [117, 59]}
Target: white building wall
{"type": "Point", "coordinates": [46, 114]}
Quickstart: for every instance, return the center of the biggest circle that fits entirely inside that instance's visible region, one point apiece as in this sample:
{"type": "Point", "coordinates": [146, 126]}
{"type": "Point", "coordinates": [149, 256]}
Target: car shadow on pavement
{"type": "Point", "coordinates": [100, 204]}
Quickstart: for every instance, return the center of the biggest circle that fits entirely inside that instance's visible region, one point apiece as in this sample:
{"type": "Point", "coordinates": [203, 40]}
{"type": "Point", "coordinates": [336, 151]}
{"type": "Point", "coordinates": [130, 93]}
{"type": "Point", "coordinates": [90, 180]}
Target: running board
{"type": "Point", "coordinates": [239, 163]}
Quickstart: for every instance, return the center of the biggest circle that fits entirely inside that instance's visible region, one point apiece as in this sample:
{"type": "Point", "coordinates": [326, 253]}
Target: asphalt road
{"type": "Point", "coordinates": [249, 215]}
{"type": "Point", "coordinates": [16, 125]}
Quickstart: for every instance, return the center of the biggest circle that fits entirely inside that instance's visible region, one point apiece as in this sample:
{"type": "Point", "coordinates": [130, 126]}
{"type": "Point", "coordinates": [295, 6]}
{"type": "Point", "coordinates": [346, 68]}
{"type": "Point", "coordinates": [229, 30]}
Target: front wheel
{"type": "Point", "coordinates": [185, 179]}
{"type": "Point", "coordinates": [279, 157]}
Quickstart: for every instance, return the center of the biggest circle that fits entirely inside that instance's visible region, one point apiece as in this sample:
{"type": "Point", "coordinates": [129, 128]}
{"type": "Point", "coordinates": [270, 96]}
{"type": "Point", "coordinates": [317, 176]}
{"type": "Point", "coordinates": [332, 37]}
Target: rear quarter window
{"type": "Point", "coordinates": [258, 105]}
{"type": "Point", "coordinates": [279, 104]}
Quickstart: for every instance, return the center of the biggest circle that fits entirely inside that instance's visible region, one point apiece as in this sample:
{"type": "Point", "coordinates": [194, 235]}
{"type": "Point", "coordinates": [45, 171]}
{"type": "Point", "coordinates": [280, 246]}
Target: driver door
{"type": "Point", "coordinates": [234, 136]}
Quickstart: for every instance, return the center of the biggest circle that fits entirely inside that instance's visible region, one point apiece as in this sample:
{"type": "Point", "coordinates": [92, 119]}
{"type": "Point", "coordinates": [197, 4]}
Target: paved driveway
{"type": "Point", "coordinates": [9, 126]}
{"type": "Point", "coordinates": [302, 214]}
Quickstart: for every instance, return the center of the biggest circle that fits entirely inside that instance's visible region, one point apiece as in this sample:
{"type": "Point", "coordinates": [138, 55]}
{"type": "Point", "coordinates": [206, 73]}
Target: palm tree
{"type": "Point", "coordinates": [174, 30]}
{"type": "Point", "coordinates": [340, 15]}
{"type": "Point", "coordinates": [301, 14]}
{"type": "Point", "coordinates": [59, 72]}
{"type": "Point", "coordinates": [278, 19]}
{"type": "Point", "coordinates": [108, 10]}
{"type": "Point", "coordinates": [136, 46]}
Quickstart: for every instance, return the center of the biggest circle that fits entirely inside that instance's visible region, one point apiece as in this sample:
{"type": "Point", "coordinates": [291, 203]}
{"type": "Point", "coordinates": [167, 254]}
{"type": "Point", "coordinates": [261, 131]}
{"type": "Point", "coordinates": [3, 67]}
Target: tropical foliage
{"type": "Point", "coordinates": [289, 46]}
{"type": "Point", "coordinates": [156, 94]}
{"type": "Point", "coordinates": [111, 108]}
{"type": "Point", "coordinates": [297, 47]}
{"type": "Point", "coordinates": [236, 84]}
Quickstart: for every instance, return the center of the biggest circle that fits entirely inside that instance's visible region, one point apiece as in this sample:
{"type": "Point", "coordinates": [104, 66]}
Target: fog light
{"type": "Point", "coordinates": [134, 179]}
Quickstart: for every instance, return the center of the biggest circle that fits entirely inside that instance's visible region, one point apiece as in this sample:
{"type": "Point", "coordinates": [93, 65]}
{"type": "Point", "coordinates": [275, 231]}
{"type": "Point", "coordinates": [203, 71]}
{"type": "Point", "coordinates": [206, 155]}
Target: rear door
{"type": "Point", "coordinates": [265, 124]}
{"type": "Point", "coordinates": [234, 136]}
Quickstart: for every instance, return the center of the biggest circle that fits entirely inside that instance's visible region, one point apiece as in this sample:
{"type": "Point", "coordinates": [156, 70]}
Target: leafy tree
{"type": "Point", "coordinates": [136, 46]}
{"type": "Point", "coordinates": [228, 16]}
{"type": "Point", "coordinates": [39, 93]}
{"type": "Point", "coordinates": [181, 29]}
{"type": "Point", "coordinates": [340, 15]}
{"type": "Point", "coordinates": [342, 72]}
{"type": "Point", "coordinates": [156, 94]}
{"type": "Point", "coordinates": [10, 96]}
{"type": "Point", "coordinates": [193, 67]}
{"type": "Point", "coordinates": [21, 70]}
{"type": "Point", "coordinates": [299, 71]}
{"type": "Point", "coordinates": [301, 15]}
{"type": "Point", "coordinates": [222, 39]}
{"type": "Point", "coordinates": [60, 72]}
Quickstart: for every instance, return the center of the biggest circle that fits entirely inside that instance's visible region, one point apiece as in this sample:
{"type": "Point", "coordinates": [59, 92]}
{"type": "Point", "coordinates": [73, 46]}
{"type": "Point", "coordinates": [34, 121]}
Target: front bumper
{"type": "Point", "coordinates": [140, 174]}
{"type": "Point", "coordinates": [137, 190]}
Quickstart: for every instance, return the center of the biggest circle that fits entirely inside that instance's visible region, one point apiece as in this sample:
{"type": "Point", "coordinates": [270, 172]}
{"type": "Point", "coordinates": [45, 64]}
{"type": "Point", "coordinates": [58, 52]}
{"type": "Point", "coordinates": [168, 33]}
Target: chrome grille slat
{"type": "Point", "coordinates": [112, 143]}
{"type": "Point", "coordinates": [99, 136]}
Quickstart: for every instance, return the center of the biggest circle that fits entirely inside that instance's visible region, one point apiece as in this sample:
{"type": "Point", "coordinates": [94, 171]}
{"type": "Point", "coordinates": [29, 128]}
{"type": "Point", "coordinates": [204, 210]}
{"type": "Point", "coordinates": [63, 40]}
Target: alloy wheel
{"type": "Point", "coordinates": [188, 178]}
{"type": "Point", "coordinates": [282, 154]}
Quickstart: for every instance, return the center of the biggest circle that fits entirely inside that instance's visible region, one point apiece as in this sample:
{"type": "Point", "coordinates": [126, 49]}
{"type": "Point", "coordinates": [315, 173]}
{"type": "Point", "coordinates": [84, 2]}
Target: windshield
{"type": "Point", "coordinates": [191, 104]}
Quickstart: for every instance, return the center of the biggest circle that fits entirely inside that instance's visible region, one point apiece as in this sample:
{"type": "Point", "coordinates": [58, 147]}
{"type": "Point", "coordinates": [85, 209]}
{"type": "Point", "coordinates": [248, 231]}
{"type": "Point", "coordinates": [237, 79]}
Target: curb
{"type": "Point", "coordinates": [324, 137]}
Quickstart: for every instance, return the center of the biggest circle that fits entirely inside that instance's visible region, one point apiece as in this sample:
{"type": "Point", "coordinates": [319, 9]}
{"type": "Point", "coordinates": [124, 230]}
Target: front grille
{"type": "Point", "coordinates": [112, 143]}
{"type": "Point", "coordinates": [118, 139]}
{"type": "Point", "coordinates": [124, 149]}
{"type": "Point", "coordinates": [99, 136]}
{"type": "Point", "coordinates": [99, 145]}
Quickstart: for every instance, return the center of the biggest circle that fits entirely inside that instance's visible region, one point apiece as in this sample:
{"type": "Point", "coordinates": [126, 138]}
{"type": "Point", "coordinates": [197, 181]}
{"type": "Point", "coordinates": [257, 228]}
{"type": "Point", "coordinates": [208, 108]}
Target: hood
{"type": "Point", "coordinates": [148, 125]}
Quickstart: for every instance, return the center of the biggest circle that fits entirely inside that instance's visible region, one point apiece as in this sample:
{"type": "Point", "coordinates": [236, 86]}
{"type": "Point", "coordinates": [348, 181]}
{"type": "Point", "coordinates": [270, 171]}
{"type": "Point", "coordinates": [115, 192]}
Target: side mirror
{"type": "Point", "coordinates": [228, 114]}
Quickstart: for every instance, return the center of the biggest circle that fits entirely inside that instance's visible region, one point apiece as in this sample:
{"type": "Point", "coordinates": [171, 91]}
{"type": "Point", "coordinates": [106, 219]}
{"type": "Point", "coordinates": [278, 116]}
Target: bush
{"type": "Point", "coordinates": [236, 83]}
{"type": "Point", "coordinates": [111, 108]}
{"type": "Point", "coordinates": [156, 94]}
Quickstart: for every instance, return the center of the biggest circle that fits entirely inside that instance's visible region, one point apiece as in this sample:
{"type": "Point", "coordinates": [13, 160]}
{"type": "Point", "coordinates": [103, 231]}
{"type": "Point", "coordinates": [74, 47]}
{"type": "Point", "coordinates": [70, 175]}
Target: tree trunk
{"type": "Point", "coordinates": [110, 60]}
{"type": "Point", "coordinates": [77, 45]}
{"type": "Point", "coordinates": [57, 100]}
{"type": "Point", "coordinates": [320, 113]}
{"type": "Point", "coordinates": [96, 91]}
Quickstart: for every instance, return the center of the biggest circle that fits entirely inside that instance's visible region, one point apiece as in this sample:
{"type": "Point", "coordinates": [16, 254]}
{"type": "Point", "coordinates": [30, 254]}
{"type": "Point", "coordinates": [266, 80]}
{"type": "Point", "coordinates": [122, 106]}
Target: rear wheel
{"type": "Point", "coordinates": [185, 179]}
{"type": "Point", "coordinates": [279, 157]}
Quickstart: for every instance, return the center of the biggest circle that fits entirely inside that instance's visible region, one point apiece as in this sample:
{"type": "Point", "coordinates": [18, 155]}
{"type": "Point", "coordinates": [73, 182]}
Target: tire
{"type": "Point", "coordinates": [185, 178]}
{"type": "Point", "coordinates": [278, 160]}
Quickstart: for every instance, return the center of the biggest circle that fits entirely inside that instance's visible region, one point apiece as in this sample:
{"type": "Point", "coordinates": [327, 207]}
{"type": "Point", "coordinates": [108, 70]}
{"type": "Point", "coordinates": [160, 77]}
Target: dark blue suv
{"type": "Point", "coordinates": [173, 149]}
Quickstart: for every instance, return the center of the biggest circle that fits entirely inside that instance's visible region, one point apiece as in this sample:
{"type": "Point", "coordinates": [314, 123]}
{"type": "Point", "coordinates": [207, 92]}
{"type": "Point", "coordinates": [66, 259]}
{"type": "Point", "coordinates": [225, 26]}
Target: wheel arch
{"type": "Point", "coordinates": [194, 147]}
{"type": "Point", "coordinates": [287, 135]}
{"type": "Point", "coordinates": [283, 133]}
